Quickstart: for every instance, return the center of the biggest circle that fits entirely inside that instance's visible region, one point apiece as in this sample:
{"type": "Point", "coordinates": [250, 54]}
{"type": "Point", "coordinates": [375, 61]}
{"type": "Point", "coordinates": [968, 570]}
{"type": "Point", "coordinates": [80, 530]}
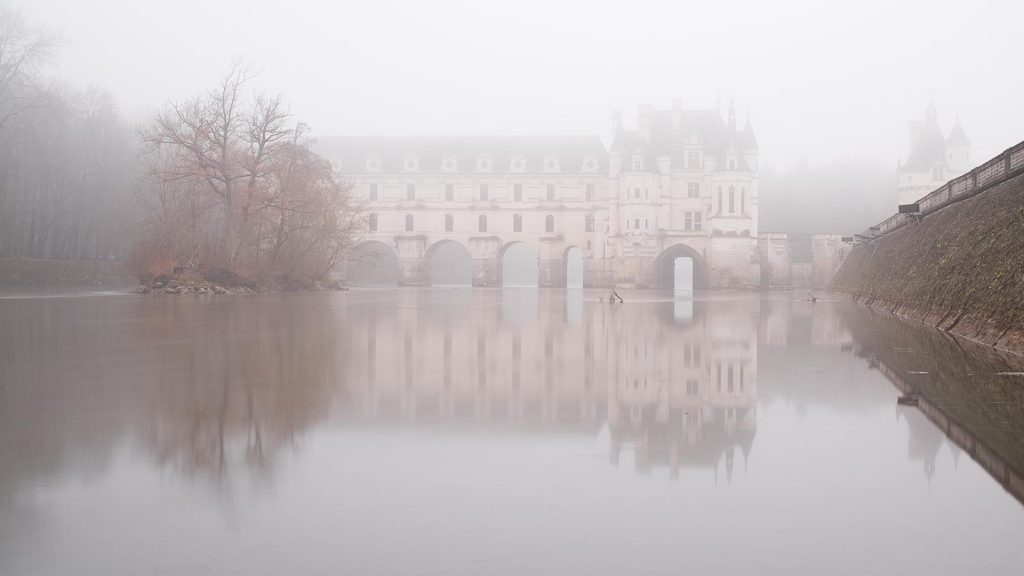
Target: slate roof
{"type": "Point", "coordinates": [351, 152]}
{"type": "Point", "coordinates": [957, 136]}
{"type": "Point", "coordinates": [668, 139]}
{"type": "Point", "coordinates": [927, 147]}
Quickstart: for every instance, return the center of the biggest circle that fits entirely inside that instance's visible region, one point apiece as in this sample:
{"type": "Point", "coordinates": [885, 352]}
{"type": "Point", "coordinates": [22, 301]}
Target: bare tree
{"type": "Point", "coordinates": [258, 201]}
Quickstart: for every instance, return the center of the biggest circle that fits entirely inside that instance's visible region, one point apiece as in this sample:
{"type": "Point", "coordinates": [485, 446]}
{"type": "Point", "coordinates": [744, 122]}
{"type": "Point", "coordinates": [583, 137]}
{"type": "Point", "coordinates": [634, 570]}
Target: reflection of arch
{"type": "Point", "coordinates": [665, 266]}
{"type": "Point", "coordinates": [572, 259]}
{"type": "Point", "coordinates": [448, 263]}
{"type": "Point", "coordinates": [373, 263]}
{"type": "Point", "coordinates": [518, 265]}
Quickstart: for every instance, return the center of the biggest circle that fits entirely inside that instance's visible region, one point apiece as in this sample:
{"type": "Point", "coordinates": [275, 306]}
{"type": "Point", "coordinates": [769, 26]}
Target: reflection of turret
{"type": "Point", "coordinates": [923, 439]}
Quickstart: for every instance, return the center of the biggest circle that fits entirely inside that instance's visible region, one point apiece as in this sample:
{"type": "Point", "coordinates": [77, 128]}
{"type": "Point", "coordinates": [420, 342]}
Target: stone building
{"type": "Point", "coordinates": [934, 159]}
{"type": "Point", "coordinates": [673, 202]}
{"type": "Point", "coordinates": [683, 184]}
{"type": "Point", "coordinates": [478, 195]}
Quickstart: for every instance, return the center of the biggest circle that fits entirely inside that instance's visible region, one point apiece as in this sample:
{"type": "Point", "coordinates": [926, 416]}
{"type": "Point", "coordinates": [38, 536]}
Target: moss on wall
{"type": "Point", "coordinates": [960, 269]}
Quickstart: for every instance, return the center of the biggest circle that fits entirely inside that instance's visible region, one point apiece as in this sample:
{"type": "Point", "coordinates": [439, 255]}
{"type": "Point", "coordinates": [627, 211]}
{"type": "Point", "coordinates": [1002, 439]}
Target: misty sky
{"type": "Point", "coordinates": [822, 80]}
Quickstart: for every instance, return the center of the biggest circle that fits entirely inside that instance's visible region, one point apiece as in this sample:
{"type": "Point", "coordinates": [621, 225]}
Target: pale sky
{"type": "Point", "coordinates": [823, 81]}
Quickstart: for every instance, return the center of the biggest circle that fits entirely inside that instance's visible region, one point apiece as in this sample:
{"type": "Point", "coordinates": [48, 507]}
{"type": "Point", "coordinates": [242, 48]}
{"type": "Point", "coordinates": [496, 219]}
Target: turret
{"type": "Point", "coordinates": [958, 150]}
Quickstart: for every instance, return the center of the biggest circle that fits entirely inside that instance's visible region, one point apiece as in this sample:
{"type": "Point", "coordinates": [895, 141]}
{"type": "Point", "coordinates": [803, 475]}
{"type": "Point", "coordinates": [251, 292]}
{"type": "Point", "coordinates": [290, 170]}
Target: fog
{"type": "Point", "coordinates": [823, 82]}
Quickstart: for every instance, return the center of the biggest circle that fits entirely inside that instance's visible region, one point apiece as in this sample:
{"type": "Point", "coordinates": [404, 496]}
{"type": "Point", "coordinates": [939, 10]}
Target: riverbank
{"type": "Point", "coordinates": [51, 273]}
{"type": "Point", "coordinates": [960, 269]}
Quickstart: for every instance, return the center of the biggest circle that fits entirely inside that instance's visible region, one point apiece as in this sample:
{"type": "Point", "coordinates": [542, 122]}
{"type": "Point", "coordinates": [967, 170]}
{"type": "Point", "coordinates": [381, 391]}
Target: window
{"type": "Point", "coordinates": [482, 224]}
{"type": "Point", "coordinates": [372, 164]}
{"type": "Point", "coordinates": [590, 223]}
{"type": "Point", "coordinates": [692, 388]}
{"type": "Point", "coordinates": [517, 222]}
{"type": "Point", "coordinates": [549, 223]}
{"type": "Point", "coordinates": [449, 222]}
{"type": "Point", "coordinates": [589, 245]}
{"type": "Point", "coordinates": [410, 191]}
{"type": "Point", "coordinates": [373, 223]}
{"type": "Point", "coordinates": [590, 192]}
{"type": "Point", "coordinates": [720, 206]}
{"type": "Point", "coordinates": [449, 192]}
{"type": "Point", "coordinates": [636, 223]}
{"type": "Point", "coordinates": [693, 190]}
{"type": "Point", "coordinates": [732, 164]}
{"type": "Point", "coordinates": [483, 192]}
{"type": "Point", "coordinates": [647, 224]}
{"type": "Point", "coordinates": [374, 192]}
{"type": "Point", "coordinates": [732, 200]}
{"type": "Point", "coordinates": [636, 193]}
{"type": "Point", "coordinates": [687, 221]}
{"type": "Point", "coordinates": [743, 200]}
{"type": "Point", "coordinates": [638, 162]}
{"type": "Point", "coordinates": [551, 192]}
{"type": "Point", "coordinates": [647, 194]}
{"type": "Point", "coordinates": [693, 159]}
{"type": "Point", "coordinates": [408, 223]}
{"type": "Point", "coordinates": [517, 192]}
{"type": "Point", "coordinates": [697, 224]}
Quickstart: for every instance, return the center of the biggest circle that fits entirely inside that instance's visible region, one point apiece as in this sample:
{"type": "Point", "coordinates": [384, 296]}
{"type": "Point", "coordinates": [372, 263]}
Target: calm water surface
{"type": "Point", "coordinates": [500, 432]}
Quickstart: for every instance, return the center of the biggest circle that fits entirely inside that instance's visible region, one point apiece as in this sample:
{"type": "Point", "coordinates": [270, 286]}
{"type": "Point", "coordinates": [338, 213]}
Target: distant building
{"type": "Point", "coordinates": [933, 160]}
{"type": "Point", "coordinates": [682, 184]}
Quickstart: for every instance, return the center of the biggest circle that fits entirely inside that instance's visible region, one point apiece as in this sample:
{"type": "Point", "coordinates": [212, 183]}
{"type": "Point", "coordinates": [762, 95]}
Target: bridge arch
{"type": "Point", "coordinates": [373, 263]}
{"type": "Point", "coordinates": [572, 262]}
{"type": "Point", "coordinates": [518, 265]}
{"type": "Point", "coordinates": [448, 263]}
{"type": "Point", "coordinates": [680, 262]}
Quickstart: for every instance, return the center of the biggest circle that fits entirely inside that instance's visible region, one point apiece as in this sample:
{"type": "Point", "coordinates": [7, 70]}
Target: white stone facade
{"type": "Point", "coordinates": [681, 184]}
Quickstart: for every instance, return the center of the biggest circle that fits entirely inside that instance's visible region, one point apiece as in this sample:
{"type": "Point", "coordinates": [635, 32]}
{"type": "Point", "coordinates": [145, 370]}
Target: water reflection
{"type": "Point", "coordinates": [748, 407]}
{"type": "Point", "coordinates": [677, 393]}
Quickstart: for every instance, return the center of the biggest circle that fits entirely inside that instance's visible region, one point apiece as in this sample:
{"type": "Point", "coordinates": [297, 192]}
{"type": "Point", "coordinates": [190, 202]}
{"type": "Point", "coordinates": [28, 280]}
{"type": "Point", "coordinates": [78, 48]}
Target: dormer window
{"type": "Point", "coordinates": [551, 163]}
{"type": "Point", "coordinates": [411, 163]}
{"type": "Point", "coordinates": [483, 164]}
{"type": "Point", "coordinates": [589, 164]}
{"type": "Point", "coordinates": [638, 162]}
{"type": "Point", "coordinates": [518, 164]}
{"type": "Point", "coordinates": [449, 163]}
{"type": "Point", "coordinates": [372, 164]}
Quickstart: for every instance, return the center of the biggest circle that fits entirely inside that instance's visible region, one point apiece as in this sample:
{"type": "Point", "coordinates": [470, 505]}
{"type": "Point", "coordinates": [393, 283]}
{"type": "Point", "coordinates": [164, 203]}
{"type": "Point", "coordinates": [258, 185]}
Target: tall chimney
{"type": "Point", "coordinates": [616, 121]}
{"type": "Point", "coordinates": [643, 121]}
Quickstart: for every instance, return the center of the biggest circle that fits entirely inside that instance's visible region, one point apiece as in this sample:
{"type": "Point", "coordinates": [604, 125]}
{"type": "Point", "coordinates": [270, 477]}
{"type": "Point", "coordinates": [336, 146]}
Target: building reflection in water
{"type": "Point", "coordinates": [674, 382]}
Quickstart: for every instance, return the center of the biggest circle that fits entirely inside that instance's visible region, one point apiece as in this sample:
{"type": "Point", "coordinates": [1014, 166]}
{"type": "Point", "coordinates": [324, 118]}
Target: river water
{"type": "Point", "coordinates": [500, 432]}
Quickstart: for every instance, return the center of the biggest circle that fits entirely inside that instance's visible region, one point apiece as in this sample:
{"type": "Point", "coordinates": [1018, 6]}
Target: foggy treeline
{"type": "Point", "coordinates": [226, 181]}
{"type": "Point", "coordinates": [66, 157]}
{"type": "Point", "coordinates": [842, 197]}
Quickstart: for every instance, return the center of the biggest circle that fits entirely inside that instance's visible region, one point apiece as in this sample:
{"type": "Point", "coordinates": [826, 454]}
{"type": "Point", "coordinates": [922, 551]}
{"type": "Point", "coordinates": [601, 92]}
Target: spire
{"type": "Point", "coordinates": [732, 114]}
{"type": "Point", "coordinates": [930, 115]}
{"type": "Point", "coordinates": [748, 139]}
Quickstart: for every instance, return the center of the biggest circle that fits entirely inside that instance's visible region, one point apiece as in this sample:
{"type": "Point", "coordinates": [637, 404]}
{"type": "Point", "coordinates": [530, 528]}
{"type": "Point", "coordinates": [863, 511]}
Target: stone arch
{"type": "Point", "coordinates": [518, 265]}
{"type": "Point", "coordinates": [665, 266]}
{"type": "Point", "coordinates": [448, 263]}
{"type": "Point", "coordinates": [572, 266]}
{"type": "Point", "coordinates": [373, 263]}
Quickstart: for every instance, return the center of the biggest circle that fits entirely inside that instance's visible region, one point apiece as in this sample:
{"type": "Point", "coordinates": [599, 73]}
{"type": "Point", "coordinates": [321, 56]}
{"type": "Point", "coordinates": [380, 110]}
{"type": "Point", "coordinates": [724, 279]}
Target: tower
{"type": "Point", "coordinates": [958, 150]}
